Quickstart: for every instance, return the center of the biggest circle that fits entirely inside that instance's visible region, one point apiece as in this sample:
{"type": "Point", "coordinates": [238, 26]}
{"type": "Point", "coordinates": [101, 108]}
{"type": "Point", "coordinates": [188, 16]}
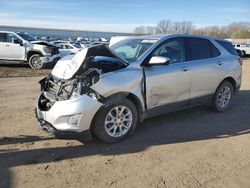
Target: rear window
{"type": "Point", "coordinates": [201, 49]}
{"type": "Point", "coordinates": [228, 46]}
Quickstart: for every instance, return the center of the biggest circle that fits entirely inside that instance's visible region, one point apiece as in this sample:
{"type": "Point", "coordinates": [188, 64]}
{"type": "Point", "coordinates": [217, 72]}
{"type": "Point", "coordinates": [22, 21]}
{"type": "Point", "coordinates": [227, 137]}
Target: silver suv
{"type": "Point", "coordinates": [107, 91]}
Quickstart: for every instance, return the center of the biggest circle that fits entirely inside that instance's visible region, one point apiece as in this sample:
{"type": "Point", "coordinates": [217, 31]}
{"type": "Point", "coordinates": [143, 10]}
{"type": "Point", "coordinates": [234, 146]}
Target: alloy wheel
{"type": "Point", "coordinates": [118, 121]}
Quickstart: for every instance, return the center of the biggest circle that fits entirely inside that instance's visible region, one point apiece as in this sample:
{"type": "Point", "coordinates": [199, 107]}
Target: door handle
{"type": "Point", "coordinates": [219, 63]}
{"type": "Point", "coordinates": [185, 69]}
{"type": "Point", "coordinates": [7, 45]}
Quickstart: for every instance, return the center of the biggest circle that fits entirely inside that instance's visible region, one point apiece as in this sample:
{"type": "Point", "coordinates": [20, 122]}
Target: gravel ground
{"type": "Point", "coordinates": [190, 148]}
{"type": "Point", "coordinates": [18, 69]}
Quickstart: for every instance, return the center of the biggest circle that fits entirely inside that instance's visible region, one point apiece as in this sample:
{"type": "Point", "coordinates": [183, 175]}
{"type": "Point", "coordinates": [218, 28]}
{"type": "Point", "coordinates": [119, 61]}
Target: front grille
{"type": "Point", "coordinates": [44, 103]}
{"type": "Point", "coordinates": [54, 51]}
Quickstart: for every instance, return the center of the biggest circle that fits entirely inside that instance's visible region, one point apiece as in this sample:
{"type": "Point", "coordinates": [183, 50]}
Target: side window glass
{"type": "Point", "coordinates": [173, 49]}
{"type": "Point", "coordinates": [199, 48]}
{"type": "Point", "coordinates": [2, 37]}
{"type": "Point", "coordinates": [11, 38]}
{"type": "Point", "coordinates": [214, 50]}
{"type": "Point", "coordinates": [68, 47]}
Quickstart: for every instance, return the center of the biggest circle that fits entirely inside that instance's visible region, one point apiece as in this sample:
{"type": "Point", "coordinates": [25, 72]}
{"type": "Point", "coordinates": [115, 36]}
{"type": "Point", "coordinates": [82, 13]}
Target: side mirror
{"type": "Point", "coordinates": [16, 41]}
{"type": "Point", "coordinates": [159, 60]}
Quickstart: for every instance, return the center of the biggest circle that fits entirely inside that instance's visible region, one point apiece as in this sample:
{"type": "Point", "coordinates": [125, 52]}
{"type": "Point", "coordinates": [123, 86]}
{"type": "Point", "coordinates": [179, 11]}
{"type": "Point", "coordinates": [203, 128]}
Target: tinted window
{"type": "Point", "coordinates": [199, 49]}
{"type": "Point", "coordinates": [228, 46]}
{"type": "Point", "coordinates": [2, 37]}
{"type": "Point", "coordinates": [173, 49]}
{"type": "Point", "coordinates": [215, 52]}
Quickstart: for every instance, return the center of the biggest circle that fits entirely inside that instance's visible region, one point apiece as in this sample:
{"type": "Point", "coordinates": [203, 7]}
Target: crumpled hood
{"type": "Point", "coordinates": [43, 43]}
{"type": "Point", "coordinates": [69, 65]}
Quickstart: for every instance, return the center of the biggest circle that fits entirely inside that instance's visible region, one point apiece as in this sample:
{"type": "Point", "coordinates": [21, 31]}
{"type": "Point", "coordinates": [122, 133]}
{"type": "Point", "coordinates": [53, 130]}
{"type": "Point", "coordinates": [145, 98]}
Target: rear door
{"type": "Point", "coordinates": [168, 85]}
{"type": "Point", "coordinates": [206, 64]}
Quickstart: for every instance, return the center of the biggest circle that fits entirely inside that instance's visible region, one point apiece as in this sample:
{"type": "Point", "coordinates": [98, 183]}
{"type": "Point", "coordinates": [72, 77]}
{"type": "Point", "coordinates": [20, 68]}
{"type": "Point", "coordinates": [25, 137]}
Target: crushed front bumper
{"type": "Point", "coordinates": [50, 60]}
{"type": "Point", "coordinates": [56, 118]}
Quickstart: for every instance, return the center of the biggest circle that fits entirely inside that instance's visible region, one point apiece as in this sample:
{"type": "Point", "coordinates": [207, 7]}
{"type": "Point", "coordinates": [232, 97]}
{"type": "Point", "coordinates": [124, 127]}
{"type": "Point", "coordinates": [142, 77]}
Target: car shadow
{"type": "Point", "coordinates": [22, 139]}
{"type": "Point", "coordinates": [184, 126]}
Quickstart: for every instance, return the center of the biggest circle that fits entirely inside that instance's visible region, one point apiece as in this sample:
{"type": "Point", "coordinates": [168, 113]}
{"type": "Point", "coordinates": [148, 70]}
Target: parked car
{"type": "Point", "coordinates": [22, 47]}
{"type": "Point", "coordinates": [116, 39]}
{"type": "Point", "coordinates": [69, 49]}
{"type": "Point", "coordinates": [107, 91]}
{"type": "Point", "coordinates": [245, 48]}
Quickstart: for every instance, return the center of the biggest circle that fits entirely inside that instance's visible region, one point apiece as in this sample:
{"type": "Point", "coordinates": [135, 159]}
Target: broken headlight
{"type": "Point", "coordinates": [76, 91]}
{"type": "Point", "coordinates": [47, 50]}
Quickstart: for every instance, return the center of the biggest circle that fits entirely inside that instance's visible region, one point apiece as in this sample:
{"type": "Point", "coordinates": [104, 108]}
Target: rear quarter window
{"type": "Point", "coordinates": [228, 46]}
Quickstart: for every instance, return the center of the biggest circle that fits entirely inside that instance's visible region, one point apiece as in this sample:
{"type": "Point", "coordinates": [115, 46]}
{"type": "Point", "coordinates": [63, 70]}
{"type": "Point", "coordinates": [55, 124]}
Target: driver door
{"type": "Point", "coordinates": [168, 85]}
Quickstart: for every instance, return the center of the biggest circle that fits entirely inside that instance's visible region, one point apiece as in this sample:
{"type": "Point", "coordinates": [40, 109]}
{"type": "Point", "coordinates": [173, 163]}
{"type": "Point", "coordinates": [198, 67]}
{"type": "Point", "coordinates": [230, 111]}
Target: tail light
{"type": "Point", "coordinates": [240, 60]}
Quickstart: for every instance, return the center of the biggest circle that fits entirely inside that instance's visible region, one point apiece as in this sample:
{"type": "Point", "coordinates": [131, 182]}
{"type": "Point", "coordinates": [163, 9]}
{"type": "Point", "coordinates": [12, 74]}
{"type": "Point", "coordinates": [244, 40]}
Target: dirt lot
{"type": "Point", "coordinates": [191, 148]}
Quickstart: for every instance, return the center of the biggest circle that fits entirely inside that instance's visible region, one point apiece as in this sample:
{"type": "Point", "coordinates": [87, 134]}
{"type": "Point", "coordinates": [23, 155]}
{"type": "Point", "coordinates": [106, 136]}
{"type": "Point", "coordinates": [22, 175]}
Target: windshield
{"type": "Point", "coordinates": [26, 37]}
{"type": "Point", "coordinates": [132, 49]}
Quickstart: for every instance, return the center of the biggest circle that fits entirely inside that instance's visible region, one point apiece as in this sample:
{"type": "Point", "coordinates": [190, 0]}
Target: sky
{"type": "Point", "coordinates": [119, 15]}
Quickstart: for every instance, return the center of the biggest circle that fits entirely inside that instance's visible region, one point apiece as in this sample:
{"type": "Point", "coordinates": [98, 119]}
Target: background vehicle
{"type": "Point", "coordinates": [108, 90]}
{"type": "Point", "coordinates": [245, 48]}
{"type": "Point", "coordinates": [68, 49]}
{"type": "Point", "coordinates": [22, 47]}
{"type": "Point", "coordinates": [116, 39]}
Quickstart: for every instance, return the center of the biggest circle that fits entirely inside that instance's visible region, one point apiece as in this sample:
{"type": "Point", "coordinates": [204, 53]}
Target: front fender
{"type": "Point", "coordinates": [127, 80]}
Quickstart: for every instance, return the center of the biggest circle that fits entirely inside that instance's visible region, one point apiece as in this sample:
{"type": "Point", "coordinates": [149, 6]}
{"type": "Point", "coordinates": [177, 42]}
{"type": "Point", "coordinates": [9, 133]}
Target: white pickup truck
{"type": "Point", "coordinates": [23, 47]}
{"type": "Point", "coordinates": [245, 48]}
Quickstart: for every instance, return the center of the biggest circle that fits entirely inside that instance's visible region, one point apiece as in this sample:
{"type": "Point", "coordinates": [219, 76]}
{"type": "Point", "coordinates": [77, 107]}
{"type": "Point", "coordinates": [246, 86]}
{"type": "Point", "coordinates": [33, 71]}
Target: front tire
{"type": "Point", "coordinates": [114, 123]}
{"type": "Point", "coordinates": [35, 61]}
{"type": "Point", "coordinates": [223, 97]}
{"type": "Point", "coordinates": [244, 54]}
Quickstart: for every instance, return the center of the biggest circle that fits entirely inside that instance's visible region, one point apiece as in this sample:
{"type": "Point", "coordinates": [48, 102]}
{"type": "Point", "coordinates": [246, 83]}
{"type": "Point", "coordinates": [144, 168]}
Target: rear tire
{"type": "Point", "coordinates": [223, 97]}
{"type": "Point", "coordinates": [35, 61]}
{"type": "Point", "coordinates": [114, 123]}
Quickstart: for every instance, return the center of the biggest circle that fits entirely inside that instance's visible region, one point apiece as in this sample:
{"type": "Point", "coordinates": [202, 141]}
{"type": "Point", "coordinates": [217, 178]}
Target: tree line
{"type": "Point", "coordinates": [234, 30]}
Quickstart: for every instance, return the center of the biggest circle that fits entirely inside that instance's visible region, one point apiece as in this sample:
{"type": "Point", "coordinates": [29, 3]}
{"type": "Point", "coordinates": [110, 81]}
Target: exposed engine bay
{"type": "Point", "coordinates": [73, 76]}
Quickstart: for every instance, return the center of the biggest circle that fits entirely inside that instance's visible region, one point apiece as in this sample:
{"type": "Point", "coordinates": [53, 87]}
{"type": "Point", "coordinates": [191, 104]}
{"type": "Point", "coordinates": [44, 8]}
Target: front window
{"type": "Point", "coordinates": [173, 49]}
{"type": "Point", "coordinates": [26, 37]}
{"type": "Point", "coordinates": [11, 38]}
{"type": "Point", "coordinates": [132, 49]}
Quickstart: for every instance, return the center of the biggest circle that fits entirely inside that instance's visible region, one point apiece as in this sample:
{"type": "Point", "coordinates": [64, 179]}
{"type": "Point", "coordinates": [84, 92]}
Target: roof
{"type": "Point", "coordinates": [162, 36]}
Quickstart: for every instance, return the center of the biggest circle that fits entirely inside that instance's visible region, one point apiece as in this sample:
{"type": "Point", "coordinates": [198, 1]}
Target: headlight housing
{"type": "Point", "coordinates": [47, 50]}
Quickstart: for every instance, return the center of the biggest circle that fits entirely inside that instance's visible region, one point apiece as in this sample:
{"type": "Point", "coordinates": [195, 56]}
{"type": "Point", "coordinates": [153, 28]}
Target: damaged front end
{"type": "Point", "coordinates": [67, 102]}
{"type": "Point", "coordinates": [54, 89]}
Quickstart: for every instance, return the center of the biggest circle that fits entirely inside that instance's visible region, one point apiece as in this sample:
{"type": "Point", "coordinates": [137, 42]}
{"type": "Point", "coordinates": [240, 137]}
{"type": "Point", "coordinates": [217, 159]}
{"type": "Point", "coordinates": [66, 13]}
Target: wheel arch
{"type": "Point", "coordinates": [231, 80]}
{"type": "Point", "coordinates": [32, 52]}
{"type": "Point", "coordinates": [118, 97]}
